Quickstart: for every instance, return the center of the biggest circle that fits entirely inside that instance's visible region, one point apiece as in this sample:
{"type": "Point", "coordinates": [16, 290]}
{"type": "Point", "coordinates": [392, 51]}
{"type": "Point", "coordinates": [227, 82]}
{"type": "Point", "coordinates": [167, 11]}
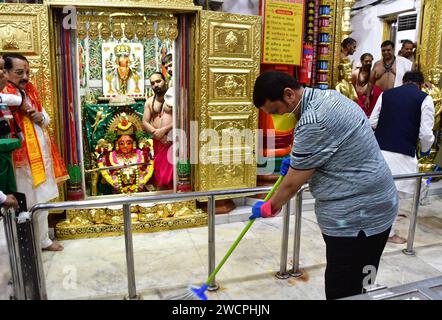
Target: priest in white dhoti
{"type": "Point", "coordinates": [401, 117]}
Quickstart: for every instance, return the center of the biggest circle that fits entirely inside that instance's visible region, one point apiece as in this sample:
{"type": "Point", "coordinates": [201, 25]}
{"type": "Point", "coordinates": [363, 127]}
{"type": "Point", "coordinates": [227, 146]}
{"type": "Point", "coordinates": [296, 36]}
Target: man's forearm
{"type": "Point", "coordinates": [149, 128]}
{"type": "Point", "coordinates": [368, 91]}
{"type": "Point", "coordinates": [293, 181]}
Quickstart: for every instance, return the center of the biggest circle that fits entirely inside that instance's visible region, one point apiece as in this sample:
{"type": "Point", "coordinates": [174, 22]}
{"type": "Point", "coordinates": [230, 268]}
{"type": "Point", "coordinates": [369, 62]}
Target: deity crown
{"type": "Point", "coordinates": [122, 49]}
{"type": "Point", "coordinates": [124, 125]}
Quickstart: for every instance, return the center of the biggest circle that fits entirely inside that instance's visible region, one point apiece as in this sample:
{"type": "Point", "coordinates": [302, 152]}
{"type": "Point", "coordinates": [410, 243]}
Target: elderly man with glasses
{"type": "Point", "coordinates": [38, 165]}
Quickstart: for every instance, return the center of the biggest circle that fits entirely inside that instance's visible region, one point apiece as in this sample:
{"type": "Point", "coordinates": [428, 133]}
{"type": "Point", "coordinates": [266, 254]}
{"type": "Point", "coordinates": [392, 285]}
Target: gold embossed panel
{"type": "Point", "coordinates": [231, 40]}
{"type": "Point", "coordinates": [229, 55]}
{"type": "Point", "coordinates": [230, 85]}
{"type": "Point", "coordinates": [19, 33]}
{"type": "Point", "coordinates": [24, 29]}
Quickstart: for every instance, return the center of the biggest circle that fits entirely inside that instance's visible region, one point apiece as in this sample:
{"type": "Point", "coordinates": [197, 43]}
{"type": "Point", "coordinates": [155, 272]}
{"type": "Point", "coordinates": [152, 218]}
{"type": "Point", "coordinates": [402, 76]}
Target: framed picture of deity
{"type": "Point", "coordinates": [122, 69]}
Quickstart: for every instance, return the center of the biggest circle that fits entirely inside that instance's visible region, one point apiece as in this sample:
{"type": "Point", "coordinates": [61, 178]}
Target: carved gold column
{"type": "Point", "coordinates": [342, 29]}
{"type": "Point", "coordinates": [429, 59]}
{"type": "Point", "coordinates": [346, 18]}
{"type": "Point", "coordinates": [430, 33]}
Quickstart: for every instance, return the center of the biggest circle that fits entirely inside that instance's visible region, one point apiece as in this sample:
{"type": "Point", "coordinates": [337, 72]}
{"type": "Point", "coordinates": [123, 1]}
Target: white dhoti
{"type": "Point", "coordinates": [401, 164]}
{"type": "Point", "coordinates": [44, 192]}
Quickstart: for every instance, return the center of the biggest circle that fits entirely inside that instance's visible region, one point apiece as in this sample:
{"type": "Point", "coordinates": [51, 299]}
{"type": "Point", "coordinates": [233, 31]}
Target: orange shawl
{"type": "Point", "coordinates": [21, 156]}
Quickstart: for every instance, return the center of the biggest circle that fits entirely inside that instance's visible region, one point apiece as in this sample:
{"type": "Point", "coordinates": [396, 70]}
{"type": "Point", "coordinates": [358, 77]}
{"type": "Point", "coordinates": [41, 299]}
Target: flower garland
{"type": "Point", "coordinates": [115, 180]}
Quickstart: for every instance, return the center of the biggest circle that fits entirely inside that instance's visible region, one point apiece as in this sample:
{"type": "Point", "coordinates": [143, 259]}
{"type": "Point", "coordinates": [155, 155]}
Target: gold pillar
{"type": "Point", "coordinates": [346, 18]}
{"type": "Point", "coordinates": [430, 33]}
{"type": "Point", "coordinates": [341, 18]}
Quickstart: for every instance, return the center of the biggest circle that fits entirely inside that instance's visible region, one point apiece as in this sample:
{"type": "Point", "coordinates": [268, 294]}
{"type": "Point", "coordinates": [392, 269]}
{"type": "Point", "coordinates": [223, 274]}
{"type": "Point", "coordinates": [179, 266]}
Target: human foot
{"type": "Point", "coordinates": [55, 246]}
{"type": "Point", "coordinates": [397, 240]}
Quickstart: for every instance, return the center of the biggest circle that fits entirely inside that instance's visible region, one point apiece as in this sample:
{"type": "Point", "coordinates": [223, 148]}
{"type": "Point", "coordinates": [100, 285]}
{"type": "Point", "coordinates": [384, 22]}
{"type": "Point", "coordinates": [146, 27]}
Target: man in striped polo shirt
{"type": "Point", "coordinates": [335, 150]}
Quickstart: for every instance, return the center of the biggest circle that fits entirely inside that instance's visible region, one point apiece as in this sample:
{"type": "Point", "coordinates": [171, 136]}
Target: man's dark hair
{"type": "Point", "coordinates": [413, 76]}
{"type": "Point", "coordinates": [387, 43]}
{"type": "Point", "coordinates": [366, 55]}
{"type": "Point", "coordinates": [404, 42]}
{"type": "Point", "coordinates": [160, 73]}
{"type": "Point", "coordinates": [270, 85]}
{"type": "Point", "coordinates": [9, 57]}
{"type": "Point", "coordinates": [347, 42]}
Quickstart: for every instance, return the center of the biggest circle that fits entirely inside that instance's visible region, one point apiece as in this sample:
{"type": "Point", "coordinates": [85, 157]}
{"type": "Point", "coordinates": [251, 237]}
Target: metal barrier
{"type": "Point", "coordinates": [296, 271]}
{"type": "Point", "coordinates": [25, 260]}
{"type": "Point", "coordinates": [127, 201]}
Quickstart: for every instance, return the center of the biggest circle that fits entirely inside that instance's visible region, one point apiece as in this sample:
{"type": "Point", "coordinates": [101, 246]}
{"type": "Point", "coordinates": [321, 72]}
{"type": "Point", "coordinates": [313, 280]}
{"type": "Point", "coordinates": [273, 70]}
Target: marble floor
{"type": "Point", "coordinates": [166, 263]}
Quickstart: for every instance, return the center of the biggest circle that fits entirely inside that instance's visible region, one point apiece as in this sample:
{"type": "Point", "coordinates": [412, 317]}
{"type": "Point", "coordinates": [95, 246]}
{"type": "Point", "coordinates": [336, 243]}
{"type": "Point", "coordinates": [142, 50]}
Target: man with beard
{"type": "Point", "coordinates": [38, 165]}
{"type": "Point", "coordinates": [388, 72]}
{"type": "Point", "coordinates": [360, 79]}
{"type": "Point", "coordinates": [158, 121]}
{"type": "Point", "coordinates": [348, 47]}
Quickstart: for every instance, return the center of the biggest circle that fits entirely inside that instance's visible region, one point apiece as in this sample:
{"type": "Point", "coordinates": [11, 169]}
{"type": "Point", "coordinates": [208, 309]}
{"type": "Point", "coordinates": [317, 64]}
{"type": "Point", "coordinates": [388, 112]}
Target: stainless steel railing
{"type": "Point", "coordinates": [296, 271]}
{"type": "Point", "coordinates": [127, 201]}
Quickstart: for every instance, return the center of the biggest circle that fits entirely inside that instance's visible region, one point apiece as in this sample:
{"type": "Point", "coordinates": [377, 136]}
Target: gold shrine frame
{"type": "Point", "coordinates": [229, 53]}
{"type": "Point", "coordinates": [176, 5]}
{"type": "Point", "coordinates": [165, 29]}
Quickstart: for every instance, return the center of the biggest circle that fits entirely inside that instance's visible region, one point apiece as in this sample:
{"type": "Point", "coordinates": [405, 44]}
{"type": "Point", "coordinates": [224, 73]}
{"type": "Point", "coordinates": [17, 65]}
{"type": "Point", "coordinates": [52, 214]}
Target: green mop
{"type": "Point", "coordinates": [198, 293]}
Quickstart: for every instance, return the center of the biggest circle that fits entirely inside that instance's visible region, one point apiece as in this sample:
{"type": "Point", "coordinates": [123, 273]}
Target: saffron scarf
{"type": "Point", "coordinates": [30, 152]}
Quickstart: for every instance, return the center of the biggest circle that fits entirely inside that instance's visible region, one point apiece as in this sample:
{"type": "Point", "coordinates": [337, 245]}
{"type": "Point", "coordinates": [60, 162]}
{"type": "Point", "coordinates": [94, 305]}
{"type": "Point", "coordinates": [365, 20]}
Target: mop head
{"type": "Point", "coordinates": [199, 292]}
{"type": "Point", "coordinates": [194, 293]}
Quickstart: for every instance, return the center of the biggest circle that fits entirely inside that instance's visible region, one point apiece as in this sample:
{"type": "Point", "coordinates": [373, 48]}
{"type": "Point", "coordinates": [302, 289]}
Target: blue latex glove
{"type": "Point", "coordinates": [285, 165]}
{"type": "Point", "coordinates": [424, 154]}
{"type": "Point", "coordinates": [256, 210]}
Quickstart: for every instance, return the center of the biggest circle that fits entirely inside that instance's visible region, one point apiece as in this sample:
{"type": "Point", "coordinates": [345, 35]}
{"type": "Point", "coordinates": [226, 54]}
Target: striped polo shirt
{"type": "Point", "coordinates": [352, 183]}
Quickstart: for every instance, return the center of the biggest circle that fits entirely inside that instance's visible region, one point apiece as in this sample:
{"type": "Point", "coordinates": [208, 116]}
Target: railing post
{"type": "Point", "coordinates": [282, 273]}
{"type": "Point", "coordinates": [297, 241]}
{"type": "Point", "coordinates": [211, 216]}
{"type": "Point", "coordinates": [42, 293]}
{"type": "Point", "coordinates": [14, 253]}
{"type": "Point", "coordinates": [413, 218]}
{"type": "Point", "coordinates": [129, 253]}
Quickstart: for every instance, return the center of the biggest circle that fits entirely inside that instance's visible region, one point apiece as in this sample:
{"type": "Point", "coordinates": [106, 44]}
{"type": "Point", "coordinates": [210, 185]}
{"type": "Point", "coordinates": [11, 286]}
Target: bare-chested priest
{"type": "Point", "coordinates": [388, 72]}
{"type": "Point", "coordinates": [158, 121]}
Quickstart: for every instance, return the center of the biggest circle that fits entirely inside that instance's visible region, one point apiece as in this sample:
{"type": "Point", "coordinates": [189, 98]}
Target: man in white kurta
{"type": "Point", "coordinates": [17, 72]}
{"type": "Point", "coordinates": [406, 115]}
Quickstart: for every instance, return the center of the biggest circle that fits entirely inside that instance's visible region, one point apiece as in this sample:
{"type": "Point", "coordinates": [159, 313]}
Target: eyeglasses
{"type": "Point", "coordinates": [21, 72]}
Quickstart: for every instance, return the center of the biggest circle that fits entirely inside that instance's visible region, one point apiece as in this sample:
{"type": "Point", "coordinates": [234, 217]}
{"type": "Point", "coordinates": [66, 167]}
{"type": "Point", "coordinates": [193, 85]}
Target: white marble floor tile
{"type": "Point", "coordinates": [396, 268]}
{"type": "Point", "coordinates": [432, 255]}
{"type": "Point", "coordinates": [167, 263]}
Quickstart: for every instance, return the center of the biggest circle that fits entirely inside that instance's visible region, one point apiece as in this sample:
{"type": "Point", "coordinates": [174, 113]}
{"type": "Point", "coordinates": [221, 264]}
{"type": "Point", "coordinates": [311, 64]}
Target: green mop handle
{"type": "Point", "coordinates": [241, 235]}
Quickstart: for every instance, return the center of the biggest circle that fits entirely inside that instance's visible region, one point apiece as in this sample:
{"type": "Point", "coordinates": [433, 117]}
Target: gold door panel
{"type": "Point", "coordinates": [24, 29]}
{"type": "Point", "coordinates": [230, 85]}
{"type": "Point", "coordinates": [229, 57]}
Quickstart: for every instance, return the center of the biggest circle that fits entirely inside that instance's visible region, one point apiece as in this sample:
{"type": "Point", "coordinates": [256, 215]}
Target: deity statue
{"type": "Point", "coordinates": [436, 93]}
{"type": "Point", "coordinates": [124, 66]}
{"type": "Point", "coordinates": [130, 167]}
{"type": "Point", "coordinates": [344, 85]}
